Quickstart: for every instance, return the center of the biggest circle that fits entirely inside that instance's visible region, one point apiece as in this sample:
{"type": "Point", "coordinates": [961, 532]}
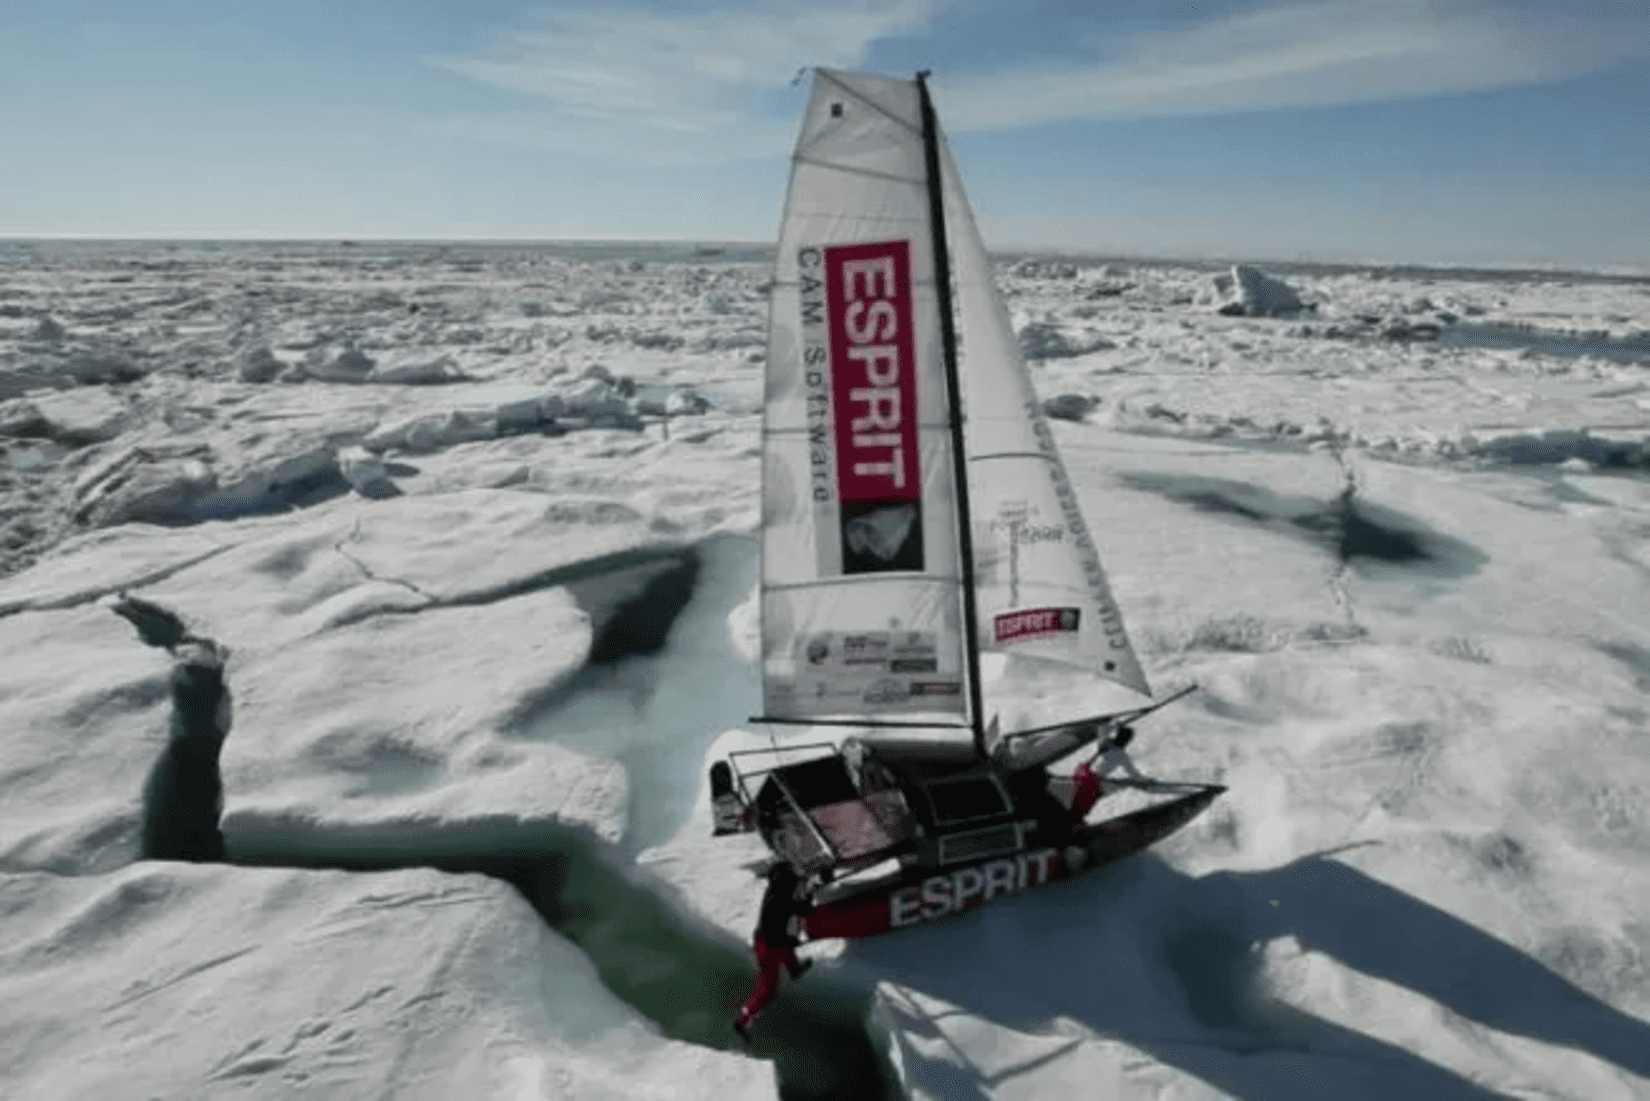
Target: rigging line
{"type": "Point", "coordinates": [773, 741]}
{"type": "Point", "coordinates": [808, 819]}
{"type": "Point", "coordinates": [869, 102]}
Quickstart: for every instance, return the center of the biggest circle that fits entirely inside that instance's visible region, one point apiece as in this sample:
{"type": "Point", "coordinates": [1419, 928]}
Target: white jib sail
{"type": "Point", "coordinates": [860, 565]}
{"type": "Point", "coordinates": [1051, 637]}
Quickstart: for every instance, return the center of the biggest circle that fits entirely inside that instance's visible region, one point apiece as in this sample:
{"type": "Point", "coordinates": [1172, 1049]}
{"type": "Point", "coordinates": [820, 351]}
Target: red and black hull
{"type": "Point", "coordinates": [925, 894]}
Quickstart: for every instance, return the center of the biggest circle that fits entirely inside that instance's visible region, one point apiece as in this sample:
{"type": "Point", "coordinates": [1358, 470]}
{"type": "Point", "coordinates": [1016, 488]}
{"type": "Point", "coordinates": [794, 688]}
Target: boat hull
{"type": "Point", "coordinates": [922, 894]}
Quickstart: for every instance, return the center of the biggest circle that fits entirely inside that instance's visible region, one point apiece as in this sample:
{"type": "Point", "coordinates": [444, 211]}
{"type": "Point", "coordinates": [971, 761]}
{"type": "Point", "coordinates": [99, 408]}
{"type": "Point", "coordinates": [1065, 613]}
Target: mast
{"type": "Point", "coordinates": [953, 389]}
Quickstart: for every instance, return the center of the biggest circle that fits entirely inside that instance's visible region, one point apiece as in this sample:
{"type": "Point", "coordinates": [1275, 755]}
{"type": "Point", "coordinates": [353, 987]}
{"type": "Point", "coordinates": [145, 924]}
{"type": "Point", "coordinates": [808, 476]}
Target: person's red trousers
{"type": "Point", "coordinates": [1086, 794]}
{"type": "Point", "coordinates": [768, 962]}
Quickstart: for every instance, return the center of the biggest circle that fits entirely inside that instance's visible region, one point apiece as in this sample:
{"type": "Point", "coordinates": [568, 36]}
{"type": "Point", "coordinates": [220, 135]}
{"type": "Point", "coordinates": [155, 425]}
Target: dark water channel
{"type": "Point", "coordinates": [663, 681]}
{"type": "Point", "coordinates": [1635, 349]}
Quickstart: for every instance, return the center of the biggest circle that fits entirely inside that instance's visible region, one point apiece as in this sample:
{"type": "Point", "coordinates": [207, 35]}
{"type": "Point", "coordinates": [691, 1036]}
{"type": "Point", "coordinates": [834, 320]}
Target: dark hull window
{"type": "Point", "coordinates": [962, 800]}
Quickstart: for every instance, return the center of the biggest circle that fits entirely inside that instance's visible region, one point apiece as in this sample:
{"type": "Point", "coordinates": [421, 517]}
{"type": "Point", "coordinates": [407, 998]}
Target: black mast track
{"type": "Point", "coordinates": [953, 387]}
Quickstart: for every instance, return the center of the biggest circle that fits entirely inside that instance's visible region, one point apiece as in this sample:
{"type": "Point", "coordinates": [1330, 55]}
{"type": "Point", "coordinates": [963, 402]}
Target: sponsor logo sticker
{"type": "Point", "coordinates": [1033, 623]}
{"type": "Point", "coordinates": [870, 327]}
{"type": "Point", "coordinates": [968, 887]}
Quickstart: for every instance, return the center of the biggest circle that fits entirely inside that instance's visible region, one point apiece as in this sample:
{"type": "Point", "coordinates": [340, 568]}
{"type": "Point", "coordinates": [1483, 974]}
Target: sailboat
{"type": "Point", "coordinates": [929, 589]}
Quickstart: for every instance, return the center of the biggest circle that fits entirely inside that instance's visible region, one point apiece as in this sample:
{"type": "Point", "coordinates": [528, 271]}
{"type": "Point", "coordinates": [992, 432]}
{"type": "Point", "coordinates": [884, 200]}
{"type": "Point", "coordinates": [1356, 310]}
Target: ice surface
{"type": "Point", "coordinates": [1246, 291]}
{"type": "Point", "coordinates": [1426, 874]}
{"type": "Point", "coordinates": [49, 364]}
{"type": "Point", "coordinates": [491, 596]}
{"type": "Point", "coordinates": [166, 979]}
{"type": "Point", "coordinates": [81, 416]}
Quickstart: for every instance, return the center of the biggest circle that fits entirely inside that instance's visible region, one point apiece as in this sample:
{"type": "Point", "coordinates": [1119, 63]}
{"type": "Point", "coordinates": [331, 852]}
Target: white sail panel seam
{"type": "Point", "coordinates": [853, 171]}
{"type": "Point", "coordinates": [914, 282]}
{"type": "Point", "coordinates": [1014, 455]}
{"type": "Point", "coordinates": [885, 219]}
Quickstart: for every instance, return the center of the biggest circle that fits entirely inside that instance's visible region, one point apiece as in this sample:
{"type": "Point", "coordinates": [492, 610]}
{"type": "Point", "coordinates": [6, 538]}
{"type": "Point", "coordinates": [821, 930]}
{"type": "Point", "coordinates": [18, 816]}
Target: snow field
{"type": "Point", "coordinates": [195, 981]}
{"type": "Point", "coordinates": [1419, 633]}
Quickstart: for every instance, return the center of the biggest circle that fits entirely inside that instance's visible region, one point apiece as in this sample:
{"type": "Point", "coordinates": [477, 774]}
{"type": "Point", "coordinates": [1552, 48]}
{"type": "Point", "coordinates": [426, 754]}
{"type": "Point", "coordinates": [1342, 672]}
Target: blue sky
{"type": "Point", "coordinates": [1457, 131]}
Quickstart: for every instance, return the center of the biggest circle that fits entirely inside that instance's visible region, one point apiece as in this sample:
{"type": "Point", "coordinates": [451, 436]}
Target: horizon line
{"type": "Point", "coordinates": [1042, 251]}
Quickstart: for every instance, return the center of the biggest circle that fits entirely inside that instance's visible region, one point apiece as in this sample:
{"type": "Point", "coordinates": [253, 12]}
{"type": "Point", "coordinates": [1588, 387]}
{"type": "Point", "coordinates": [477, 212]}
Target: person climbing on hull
{"type": "Point", "coordinates": [774, 945]}
{"type": "Point", "coordinates": [1089, 781]}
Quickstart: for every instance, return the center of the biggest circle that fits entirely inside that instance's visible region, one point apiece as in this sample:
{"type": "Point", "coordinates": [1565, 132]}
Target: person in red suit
{"type": "Point", "coordinates": [1089, 786]}
{"type": "Point", "coordinates": [773, 944]}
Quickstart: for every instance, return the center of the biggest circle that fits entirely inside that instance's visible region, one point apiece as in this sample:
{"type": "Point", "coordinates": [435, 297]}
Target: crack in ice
{"type": "Point", "coordinates": [91, 596]}
{"type": "Point", "coordinates": [366, 571]}
{"type": "Point", "coordinates": [1338, 580]}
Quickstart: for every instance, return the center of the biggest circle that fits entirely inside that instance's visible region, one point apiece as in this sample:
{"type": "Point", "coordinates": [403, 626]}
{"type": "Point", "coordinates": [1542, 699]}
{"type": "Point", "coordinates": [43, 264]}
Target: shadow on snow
{"type": "Point", "coordinates": [1168, 964]}
{"type": "Point", "coordinates": [1359, 533]}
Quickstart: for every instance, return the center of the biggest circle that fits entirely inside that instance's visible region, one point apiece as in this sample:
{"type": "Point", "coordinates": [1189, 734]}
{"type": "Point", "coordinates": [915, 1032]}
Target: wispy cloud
{"type": "Point", "coordinates": [670, 85]}
{"type": "Point", "coordinates": [695, 82]}
{"type": "Point", "coordinates": [1315, 54]}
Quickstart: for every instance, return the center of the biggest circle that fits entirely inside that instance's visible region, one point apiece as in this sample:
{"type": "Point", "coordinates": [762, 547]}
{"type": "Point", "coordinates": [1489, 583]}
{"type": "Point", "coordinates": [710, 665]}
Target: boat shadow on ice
{"type": "Point", "coordinates": [1176, 967]}
{"type": "Point", "coordinates": [1365, 536]}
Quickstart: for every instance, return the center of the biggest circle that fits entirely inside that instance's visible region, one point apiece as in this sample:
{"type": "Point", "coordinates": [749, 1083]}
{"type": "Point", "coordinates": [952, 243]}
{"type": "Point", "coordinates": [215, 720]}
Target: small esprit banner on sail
{"type": "Point", "coordinates": [860, 563]}
{"type": "Point", "coordinates": [1043, 602]}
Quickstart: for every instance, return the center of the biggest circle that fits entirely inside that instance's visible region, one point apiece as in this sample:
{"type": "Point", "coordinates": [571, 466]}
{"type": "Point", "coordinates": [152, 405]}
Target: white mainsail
{"type": "Point", "coordinates": [860, 567]}
{"type": "Point", "coordinates": [862, 614]}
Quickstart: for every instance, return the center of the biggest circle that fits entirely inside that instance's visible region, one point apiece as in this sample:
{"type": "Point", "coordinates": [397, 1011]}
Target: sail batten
{"type": "Point", "coordinates": [851, 171]}
{"type": "Point", "coordinates": [1038, 455]}
{"type": "Point", "coordinates": [949, 581]}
